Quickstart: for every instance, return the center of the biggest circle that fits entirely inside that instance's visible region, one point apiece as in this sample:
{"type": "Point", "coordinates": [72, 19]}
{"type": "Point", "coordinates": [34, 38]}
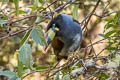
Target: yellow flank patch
{"type": "Point", "coordinates": [57, 29]}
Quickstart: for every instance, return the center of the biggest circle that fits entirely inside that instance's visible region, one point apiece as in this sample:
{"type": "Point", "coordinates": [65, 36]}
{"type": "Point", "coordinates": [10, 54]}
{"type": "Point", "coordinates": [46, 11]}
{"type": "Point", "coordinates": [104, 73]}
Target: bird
{"type": "Point", "coordinates": [67, 35]}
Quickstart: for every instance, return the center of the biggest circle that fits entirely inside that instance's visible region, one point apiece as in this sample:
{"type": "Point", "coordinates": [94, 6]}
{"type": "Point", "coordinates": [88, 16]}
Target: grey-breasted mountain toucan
{"type": "Point", "coordinates": [66, 37]}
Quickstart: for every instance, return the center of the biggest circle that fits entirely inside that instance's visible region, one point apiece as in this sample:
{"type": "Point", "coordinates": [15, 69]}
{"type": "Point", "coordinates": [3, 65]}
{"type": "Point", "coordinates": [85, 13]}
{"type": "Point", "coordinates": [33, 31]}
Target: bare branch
{"type": "Point", "coordinates": [21, 31]}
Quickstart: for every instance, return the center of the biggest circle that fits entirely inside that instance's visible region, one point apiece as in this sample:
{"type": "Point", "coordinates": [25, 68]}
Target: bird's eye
{"type": "Point", "coordinates": [55, 28]}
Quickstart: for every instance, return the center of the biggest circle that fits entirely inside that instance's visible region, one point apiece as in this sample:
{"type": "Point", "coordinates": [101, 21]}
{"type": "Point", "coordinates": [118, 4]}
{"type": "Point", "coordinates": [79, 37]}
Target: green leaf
{"type": "Point", "coordinates": [31, 64]}
{"type": "Point", "coordinates": [20, 12]}
{"type": "Point", "coordinates": [98, 74]}
{"type": "Point", "coordinates": [111, 48]}
{"type": "Point", "coordinates": [108, 25]}
{"type": "Point", "coordinates": [102, 35]}
{"type": "Point", "coordinates": [2, 22]}
{"type": "Point", "coordinates": [14, 78]}
{"type": "Point", "coordinates": [102, 3]}
{"type": "Point", "coordinates": [41, 1]}
{"type": "Point", "coordinates": [8, 73]}
{"type": "Point", "coordinates": [25, 55]}
{"type": "Point", "coordinates": [66, 77]}
{"type": "Point", "coordinates": [4, 1]}
{"type": "Point", "coordinates": [26, 36]}
{"type": "Point", "coordinates": [56, 76]}
{"type": "Point", "coordinates": [108, 34]}
{"type": "Point", "coordinates": [20, 68]}
{"type": "Point", "coordinates": [35, 5]}
{"type": "Point", "coordinates": [75, 12]}
{"type": "Point", "coordinates": [15, 39]}
{"type": "Point", "coordinates": [41, 67]}
{"type": "Point", "coordinates": [72, 0]}
{"type": "Point", "coordinates": [104, 76]}
{"type": "Point", "coordinates": [3, 17]}
{"type": "Point", "coordinates": [65, 70]}
{"type": "Point", "coordinates": [117, 17]}
{"type": "Point", "coordinates": [38, 19]}
{"type": "Point", "coordinates": [39, 8]}
{"type": "Point", "coordinates": [118, 14]}
{"type": "Point", "coordinates": [32, 7]}
{"type": "Point", "coordinates": [110, 20]}
{"type": "Point", "coordinates": [38, 36]}
{"type": "Point", "coordinates": [16, 2]}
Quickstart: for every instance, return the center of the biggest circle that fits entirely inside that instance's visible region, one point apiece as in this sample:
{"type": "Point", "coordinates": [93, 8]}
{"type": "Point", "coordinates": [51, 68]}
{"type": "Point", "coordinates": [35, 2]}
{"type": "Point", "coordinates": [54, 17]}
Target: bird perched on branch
{"type": "Point", "coordinates": [67, 35]}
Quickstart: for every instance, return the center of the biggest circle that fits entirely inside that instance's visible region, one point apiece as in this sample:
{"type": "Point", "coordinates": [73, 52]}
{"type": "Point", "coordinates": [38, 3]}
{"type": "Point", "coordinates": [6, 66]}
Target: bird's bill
{"type": "Point", "coordinates": [49, 36]}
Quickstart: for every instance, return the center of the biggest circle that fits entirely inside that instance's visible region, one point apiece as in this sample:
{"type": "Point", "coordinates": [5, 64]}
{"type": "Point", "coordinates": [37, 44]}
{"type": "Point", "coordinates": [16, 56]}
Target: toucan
{"type": "Point", "coordinates": [65, 35]}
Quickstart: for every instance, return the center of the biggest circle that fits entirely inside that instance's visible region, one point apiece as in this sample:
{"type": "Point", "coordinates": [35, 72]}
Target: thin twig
{"type": "Point", "coordinates": [33, 73]}
{"type": "Point", "coordinates": [27, 17]}
{"type": "Point", "coordinates": [21, 31]}
{"type": "Point", "coordinates": [107, 14]}
{"type": "Point", "coordinates": [15, 33]}
{"type": "Point", "coordinates": [90, 15]}
{"type": "Point", "coordinates": [86, 23]}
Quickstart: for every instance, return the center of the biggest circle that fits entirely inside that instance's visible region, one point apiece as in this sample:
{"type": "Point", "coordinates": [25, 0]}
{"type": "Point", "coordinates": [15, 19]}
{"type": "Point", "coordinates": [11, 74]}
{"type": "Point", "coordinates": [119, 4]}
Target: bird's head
{"type": "Point", "coordinates": [50, 34]}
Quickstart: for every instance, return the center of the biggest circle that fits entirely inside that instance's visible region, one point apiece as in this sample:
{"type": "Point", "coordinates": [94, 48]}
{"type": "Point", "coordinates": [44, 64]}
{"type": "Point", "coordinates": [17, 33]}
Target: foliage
{"type": "Point", "coordinates": [24, 22]}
